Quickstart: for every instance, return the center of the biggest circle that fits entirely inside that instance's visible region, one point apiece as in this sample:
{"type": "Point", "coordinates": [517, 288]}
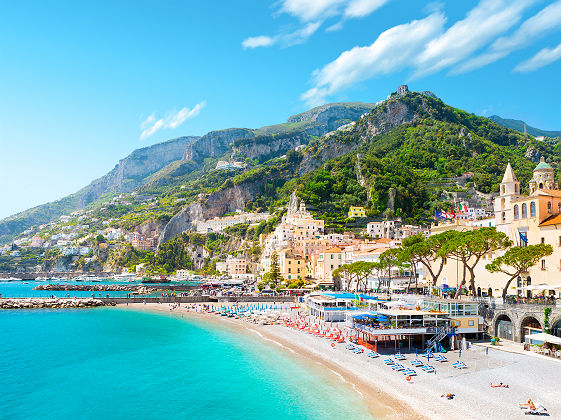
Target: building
{"type": "Point", "coordinates": [327, 262]}
{"type": "Point", "coordinates": [526, 220]}
{"type": "Point", "coordinates": [221, 266]}
{"type": "Point", "coordinates": [218, 224]}
{"type": "Point", "coordinates": [140, 241]}
{"type": "Point", "coordinates": [355, 212]}
{"type": "Point", "coordinates": [236, 266]}
{"type": "Point", "coordinates": [292, 264]}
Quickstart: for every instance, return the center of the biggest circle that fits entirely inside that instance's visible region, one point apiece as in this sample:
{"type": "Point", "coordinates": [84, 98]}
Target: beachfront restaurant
{"type": "Point", "coordinates": [333, 307]}
{"type": "Point", "coordinates": [397, 327]}
{"type": "Point", "coordinates": [464, 315]}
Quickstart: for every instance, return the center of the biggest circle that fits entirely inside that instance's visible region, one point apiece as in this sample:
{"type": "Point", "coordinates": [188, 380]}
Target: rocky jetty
{"type": "Point", "coordinates": [138, 289]}
{"type": "Point", "coordinates": [51, 303]}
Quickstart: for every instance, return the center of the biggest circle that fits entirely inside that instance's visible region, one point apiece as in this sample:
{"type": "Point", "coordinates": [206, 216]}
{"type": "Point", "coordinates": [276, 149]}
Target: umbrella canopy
{"type": "Point", "coordinates": [546, 338]}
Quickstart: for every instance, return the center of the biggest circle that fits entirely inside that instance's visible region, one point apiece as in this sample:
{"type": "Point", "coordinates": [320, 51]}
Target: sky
{"type": "Point", "coordinates": [83, 84]}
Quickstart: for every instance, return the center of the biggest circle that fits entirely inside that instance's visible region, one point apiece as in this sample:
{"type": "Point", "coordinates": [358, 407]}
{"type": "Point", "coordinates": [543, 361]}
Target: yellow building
{"type": "Point", "coordinates": [327, 262]}
{"type": "Point", "coordinates": [292, 264]}
{"type": "Point", "coordinates": [357, 212]}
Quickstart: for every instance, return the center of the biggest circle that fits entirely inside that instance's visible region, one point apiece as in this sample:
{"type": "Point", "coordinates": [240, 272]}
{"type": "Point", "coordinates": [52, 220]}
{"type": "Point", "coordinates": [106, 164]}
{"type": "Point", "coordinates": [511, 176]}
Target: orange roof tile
{"type": "Point", "coordinates": [552, 220]}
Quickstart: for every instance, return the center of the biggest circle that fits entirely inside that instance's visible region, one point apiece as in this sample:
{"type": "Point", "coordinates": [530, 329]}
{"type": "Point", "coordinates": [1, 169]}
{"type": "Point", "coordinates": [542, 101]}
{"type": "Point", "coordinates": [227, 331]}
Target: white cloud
{"type": "Point", "coordinates": [150, 125]}
{"type": "Point", "coordinates": [361, 8]}
{"type": "Point", "coordinates": [258, 41]}
{"type": "Point", "coordinates": [542, 58]}
{"type": "Point", "coordinates": [299, 36]}
{"type": "Point", "coordinates": [393, 50]}
{"type": "Point", "coordinates": [312, 14]}
{"type": "Point", "coordinates": [308, 10]}
{"type": "Point", "coordinates": [537, 26]}
{"type": "Point", "coordinates": [483, 23]}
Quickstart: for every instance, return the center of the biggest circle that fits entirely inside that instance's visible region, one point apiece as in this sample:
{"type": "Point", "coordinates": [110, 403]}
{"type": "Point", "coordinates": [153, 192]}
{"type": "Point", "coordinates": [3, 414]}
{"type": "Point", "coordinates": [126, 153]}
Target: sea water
{"type": "Point", "coordinates": [109, 363]}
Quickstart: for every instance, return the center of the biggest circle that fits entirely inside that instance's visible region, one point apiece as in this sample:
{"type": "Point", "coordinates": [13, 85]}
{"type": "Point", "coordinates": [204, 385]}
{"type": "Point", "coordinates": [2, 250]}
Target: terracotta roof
{"type": "Point", "coordinates": [333, 250]}
{"type": "Point", "coordinates": [552, 220]}
{"type": "Point", "coordinates": [552, 193]}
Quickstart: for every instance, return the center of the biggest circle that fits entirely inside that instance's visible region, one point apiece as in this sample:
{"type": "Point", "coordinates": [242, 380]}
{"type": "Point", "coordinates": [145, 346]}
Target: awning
{"type": "Point", "coordinates": [542, 287]}
{"type": "Point", "coordinates": [546, 338]}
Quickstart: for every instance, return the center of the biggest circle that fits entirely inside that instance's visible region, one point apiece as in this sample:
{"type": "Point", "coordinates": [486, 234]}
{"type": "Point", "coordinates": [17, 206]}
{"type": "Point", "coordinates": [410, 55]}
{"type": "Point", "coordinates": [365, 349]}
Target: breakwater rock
{"type": "Point", "coordinates": [35, 303]}
{"type": "Point", "coordinates": [135, 288]}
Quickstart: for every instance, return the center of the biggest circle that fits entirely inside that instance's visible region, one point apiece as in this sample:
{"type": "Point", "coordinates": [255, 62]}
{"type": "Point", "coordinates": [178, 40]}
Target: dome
{"type": "Point", "coordinates": [543, 165]}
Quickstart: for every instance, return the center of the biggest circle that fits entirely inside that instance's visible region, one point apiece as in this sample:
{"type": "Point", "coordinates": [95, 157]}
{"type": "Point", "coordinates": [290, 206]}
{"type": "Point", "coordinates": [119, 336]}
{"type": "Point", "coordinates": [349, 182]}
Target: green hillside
{"type": "Point", "coordinates": [518, 125]}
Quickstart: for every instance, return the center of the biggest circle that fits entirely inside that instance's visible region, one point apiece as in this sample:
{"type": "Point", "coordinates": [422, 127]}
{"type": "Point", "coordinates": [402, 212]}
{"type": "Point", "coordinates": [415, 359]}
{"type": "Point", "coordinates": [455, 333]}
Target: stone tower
{"type": "Point", "coordinates": [402, 90]}
{"type": "Point", "coordinates": [509, 190]}
{"type": "Point", "coordinates": [544, 177]}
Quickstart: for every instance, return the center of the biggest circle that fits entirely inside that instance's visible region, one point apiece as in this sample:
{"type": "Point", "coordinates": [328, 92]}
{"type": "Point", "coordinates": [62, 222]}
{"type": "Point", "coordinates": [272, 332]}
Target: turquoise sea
{"type": "Point", "coordinates": [110, 363]}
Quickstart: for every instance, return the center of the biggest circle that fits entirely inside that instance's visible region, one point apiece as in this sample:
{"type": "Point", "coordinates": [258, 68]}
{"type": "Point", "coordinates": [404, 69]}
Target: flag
{"type": "Point", "coordinates": [439, 215]}
{"type": "Point", "coordinates": [446, 215]}
{"type": "Point", "coordinates": [523, 238]}
{"type": "Point", "coordinates": [453, 215]}
{"type": "Point", "coordinates": [461, 208]}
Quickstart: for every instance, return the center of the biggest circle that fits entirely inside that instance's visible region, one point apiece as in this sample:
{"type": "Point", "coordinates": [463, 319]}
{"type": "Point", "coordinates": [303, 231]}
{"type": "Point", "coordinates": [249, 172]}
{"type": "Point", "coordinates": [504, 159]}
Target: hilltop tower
{"type": "Point", "coordinates": [544, 177]}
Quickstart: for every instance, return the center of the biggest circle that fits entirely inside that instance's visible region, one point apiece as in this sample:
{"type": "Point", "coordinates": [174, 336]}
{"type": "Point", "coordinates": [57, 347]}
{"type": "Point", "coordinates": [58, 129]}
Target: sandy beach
{"type": "Point", "coordinates": [390, 396]}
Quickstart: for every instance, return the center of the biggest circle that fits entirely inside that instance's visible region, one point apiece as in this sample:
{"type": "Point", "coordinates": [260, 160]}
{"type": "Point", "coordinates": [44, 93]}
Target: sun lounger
{"type": "Point", "coordinates": [538, 411]}
{"type": "Point", "coordinates": [358, 350]}
{"type": "Point", "coordinates": [373, 354]}
{"type": "Point", "coordinates": [440, 358]}
{"type": "Point", "coordinates": [409, 372]}
{"type": "Point", "coordinates": [389, 361]}
{"type": "Point", "coordinates": [459, 365]}
{"type": "Point", "coordinates": [399, 356]}
{"type": "Point", "coordinates": [350, 347]}
{"type": "Point", "coordinates": [398, 367]}
{"type": "Point", "coordinates": [417, 363]}
{"type": "Point", "coordinates": [428, 368]}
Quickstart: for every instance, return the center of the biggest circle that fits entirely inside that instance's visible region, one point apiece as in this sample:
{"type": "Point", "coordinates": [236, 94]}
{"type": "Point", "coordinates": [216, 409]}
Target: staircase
{"type": "Point", "coordinates": [440, 334]}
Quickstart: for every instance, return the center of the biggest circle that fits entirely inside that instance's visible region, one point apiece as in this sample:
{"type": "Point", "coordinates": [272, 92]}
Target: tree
{"type": "Point", "coordinates": [275, 273]}
{"type": "Point", "coordinates": [357, 271]}
{"type": "Point", "coordinates": [426, 251]}
{"type": "Point", "coordinates": [388, 260]}
{"type": "Point", "coordinates": [518, 260]}
{"type": "Point", "coordinates": [469, 247]}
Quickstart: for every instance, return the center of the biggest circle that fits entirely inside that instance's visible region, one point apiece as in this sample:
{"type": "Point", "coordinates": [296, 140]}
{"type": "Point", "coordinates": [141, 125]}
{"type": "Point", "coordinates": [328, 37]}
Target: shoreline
{"type": "Point", "coordinates": [389, 396]}
{"type": "Point", "coordinates": [381, 405]}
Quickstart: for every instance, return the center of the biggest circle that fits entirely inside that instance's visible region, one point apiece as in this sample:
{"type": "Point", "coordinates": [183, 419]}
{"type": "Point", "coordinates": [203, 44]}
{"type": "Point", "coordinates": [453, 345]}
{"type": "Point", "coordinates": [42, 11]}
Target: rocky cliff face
{"type": "Point", "coordinates": [215, 143]}
{"type": "Point", "coordinates": [215, 205]}
{"type": "Point", "coordinates": [131, 171]}
{"type": "Point", "coordinates": [382, 119]}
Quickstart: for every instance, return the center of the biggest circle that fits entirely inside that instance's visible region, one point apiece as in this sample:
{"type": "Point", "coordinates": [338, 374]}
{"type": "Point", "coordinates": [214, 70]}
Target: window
{"type": "Point", "coordinates": [560, 241]}
{"type": "Point", "coordinates": [524, 211]}
{"type": "Point", "coordinates": [549, 207]}
{"type": "Point", "coordinates": [543, 264]}
{"type": "Point", "coordinates": [533, 209]}
{"type": "Point", "coordinates": [504, 216]}
{"type": "Point", "coordinates": [502, 189]}
{"type": "Point", "coordinates": [543, 240]}
{"type": "Point", "coordinates": [470, 323]}
{"type": "Point", "coordinates": [516, 212]}
{"type": "Point", "coordinates": [331, 256]}
{"type": "Point", "coordinates": [558, 207]}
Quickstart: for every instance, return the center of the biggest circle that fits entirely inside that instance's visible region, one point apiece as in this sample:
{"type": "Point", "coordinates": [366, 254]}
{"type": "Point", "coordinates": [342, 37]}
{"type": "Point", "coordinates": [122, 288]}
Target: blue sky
{"type": "Point", "coordinates": [84, 84]}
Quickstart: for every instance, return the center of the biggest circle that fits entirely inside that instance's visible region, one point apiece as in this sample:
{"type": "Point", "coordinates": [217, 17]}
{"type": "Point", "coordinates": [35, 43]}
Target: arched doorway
{"type": "Point", "coordinates": [490, 292]}
{"type": "Point", "coordinates": [528, 324]}
{"type": "Point", "coordinates": [504, 328]}
{"type": "Point", "coordinates": [556, 328]}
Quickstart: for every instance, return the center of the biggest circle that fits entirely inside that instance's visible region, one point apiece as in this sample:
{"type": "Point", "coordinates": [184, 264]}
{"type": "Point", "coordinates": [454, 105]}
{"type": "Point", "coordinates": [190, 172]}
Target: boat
{"type": "Point", "coordinates": [155, 279]}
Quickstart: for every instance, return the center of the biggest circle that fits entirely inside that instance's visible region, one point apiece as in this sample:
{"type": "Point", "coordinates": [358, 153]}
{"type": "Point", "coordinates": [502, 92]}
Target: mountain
{"type": "Point", "coordinates": [518, 125]}
{"type": "Point", "coordinates": [174, 161]}
{"type": "Point", "coordinates": [410, 155]}
{"type": "Point", "coordinates": [128, 174]}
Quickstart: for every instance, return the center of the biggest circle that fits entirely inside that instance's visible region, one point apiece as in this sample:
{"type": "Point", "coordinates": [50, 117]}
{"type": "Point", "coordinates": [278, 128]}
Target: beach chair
{"type": "Point", "coordinates": [389, 361]}
{"type": "Point", "coordinates": [373, 354]}
{"type": "Point", "coordinates": [409, 372]}
{"type": "Point", "coordinates": [428, 368]}
{"type": "Point", "coordinates": [440, 358]}
{"type": "Point", "coordinates": [398, 367]}
{"type": "Point", "coordinates": [459, 365]}
{"type": "Point", "coordinates": [538, 411]}
{"type": "Point", "coordinates": [358, 350]}
{"type": "Point", "coordinates": [350, 347]}
{"type": "Point", "coordinates": [417, 363]}
{"type": "Point", "coordinates": [399, 356]}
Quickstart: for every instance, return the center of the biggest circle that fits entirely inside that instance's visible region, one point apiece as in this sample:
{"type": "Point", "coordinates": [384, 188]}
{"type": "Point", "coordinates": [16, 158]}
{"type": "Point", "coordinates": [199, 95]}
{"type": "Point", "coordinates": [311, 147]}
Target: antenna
{"type": "Point", "coordinates": [525, 132]}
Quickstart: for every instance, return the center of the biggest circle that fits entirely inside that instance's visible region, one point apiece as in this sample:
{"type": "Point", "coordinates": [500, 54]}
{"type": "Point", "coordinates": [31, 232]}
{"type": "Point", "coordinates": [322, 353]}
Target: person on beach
{"type": "Point", "coordinates": [499, 385]}
{"type": "Point", "coordinates": [530, 404]}
{"type": "Point", "coordinates": [448, 396]}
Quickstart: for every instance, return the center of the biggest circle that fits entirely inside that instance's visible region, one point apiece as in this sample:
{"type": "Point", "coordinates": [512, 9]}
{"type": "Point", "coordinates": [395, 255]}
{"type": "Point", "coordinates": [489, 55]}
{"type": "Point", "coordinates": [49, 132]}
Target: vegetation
{"type": "Point", "coordinates": [518, 260]}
